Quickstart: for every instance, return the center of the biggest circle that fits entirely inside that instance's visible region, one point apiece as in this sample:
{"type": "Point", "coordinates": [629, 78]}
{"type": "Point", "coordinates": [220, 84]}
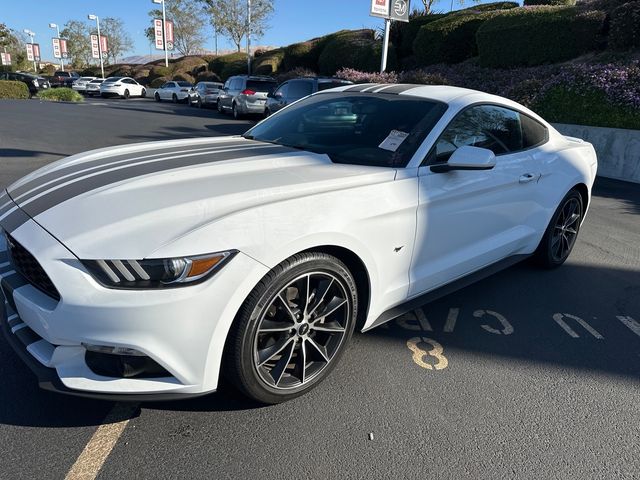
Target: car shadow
{"type": "Point", "coordinates": [626, 192]}
{"type": "Point", "coordinates": [17, 152]}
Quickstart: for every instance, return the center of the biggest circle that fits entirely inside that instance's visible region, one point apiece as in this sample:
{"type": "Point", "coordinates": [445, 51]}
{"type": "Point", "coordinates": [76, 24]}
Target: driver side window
{"type": "Point", "coordinates": [486, 126]}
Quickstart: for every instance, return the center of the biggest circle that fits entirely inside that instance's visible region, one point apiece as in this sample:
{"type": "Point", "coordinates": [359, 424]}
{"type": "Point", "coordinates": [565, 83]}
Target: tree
{"type": "Point", "coordinates": [78, 42]}
{"type": "Point", "coordinates": [230, 18]}
{"type": "Point", "coordinates": [14, 43]}
{"type": "Point", "coordinates": [188, 25]}
{"type": "Point", "coordinates": [118, 40]}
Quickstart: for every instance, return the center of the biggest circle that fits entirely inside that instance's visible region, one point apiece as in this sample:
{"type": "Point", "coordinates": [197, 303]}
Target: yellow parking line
{"type": "Point", "coordinates": [95, 453]}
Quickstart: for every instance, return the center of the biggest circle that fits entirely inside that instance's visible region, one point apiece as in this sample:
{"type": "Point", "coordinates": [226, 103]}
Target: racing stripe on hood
{"type": "Point", "coordinates": [360, 88]}
{"type": "Point", "coordinates": [77, 169]}
{"type": "Point", "coordinates": [120, 161]}
{"type": "Point", "coordinates": [84, 185]}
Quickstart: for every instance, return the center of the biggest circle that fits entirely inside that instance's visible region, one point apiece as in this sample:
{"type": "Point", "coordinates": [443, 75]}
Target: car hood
{"type": "Point", "coordinates": [126, 202]}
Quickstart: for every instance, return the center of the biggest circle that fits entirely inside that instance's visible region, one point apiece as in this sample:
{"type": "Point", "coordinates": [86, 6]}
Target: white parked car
{"type": "Point", "coordinates": [123, 87]}
{"type": "Point", "coordinates": [80, 85]}
{"type": "Point", "coordinates": [93, 87]}
{"type": "Point", "coordinates": [146, 271]}
{"type": "Point", "coordinates": [175, 91]}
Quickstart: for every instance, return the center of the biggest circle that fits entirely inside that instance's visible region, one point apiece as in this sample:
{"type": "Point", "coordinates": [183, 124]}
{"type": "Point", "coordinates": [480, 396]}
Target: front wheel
{"type": "Point", "coordinates": [219, 107]}
{"type": "Point", "coordinates": [174, 98]}
{"type": "Point", "coordinates": [157, 97]}
{"type": "Point", "coordinates": [293, 328]}
{"type": "Point", "coordinates": [562, 232]}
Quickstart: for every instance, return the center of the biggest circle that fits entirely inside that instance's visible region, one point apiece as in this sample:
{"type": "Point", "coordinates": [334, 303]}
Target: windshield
{"type": "Point", "coordinates": [261, 86]}
{"type": "Point", "coordinates": [184, 84]}
{"type": "Point", "coordinates": [382, 130]}
{"type": "Point", "coordinates": [112, 79]}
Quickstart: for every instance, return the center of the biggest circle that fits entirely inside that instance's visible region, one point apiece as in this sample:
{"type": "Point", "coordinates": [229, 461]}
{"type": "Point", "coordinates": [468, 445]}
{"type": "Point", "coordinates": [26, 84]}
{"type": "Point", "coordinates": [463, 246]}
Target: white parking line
{"type": "Point", "coordinates": [96, 452]}
{"type": "Point", "coordinates": [631, 324]}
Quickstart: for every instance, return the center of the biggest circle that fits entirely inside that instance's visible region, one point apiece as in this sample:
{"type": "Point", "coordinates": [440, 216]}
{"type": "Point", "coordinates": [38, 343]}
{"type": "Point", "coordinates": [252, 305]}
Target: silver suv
{"type": "Point", "coordinates": [243, 95]}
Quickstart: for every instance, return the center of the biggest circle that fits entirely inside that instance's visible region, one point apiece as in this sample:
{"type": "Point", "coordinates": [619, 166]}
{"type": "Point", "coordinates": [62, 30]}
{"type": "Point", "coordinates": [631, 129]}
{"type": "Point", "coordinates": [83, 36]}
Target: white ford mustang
{"type": "Point", "coordinates": [145, 271]}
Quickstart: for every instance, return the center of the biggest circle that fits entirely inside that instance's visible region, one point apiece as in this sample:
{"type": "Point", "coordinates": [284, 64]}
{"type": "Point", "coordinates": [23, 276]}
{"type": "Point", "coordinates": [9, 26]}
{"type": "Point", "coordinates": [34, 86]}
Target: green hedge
{"type": "Point", "coordinates": [535, 36]}
{"type": "Point", "coordinates": [407, 32]}
{"type": "Point", "coordinates": [590, 107]}
{"type": "Point", "coordinates": [268, 63]}
{"type": "Point", "coordinates": [60, 95]}
{"type": "Point", "coordinates": [13, 90]}
{"type": "Point", "coordinates": [451, 39]}
{"type": "Point", "coordinates": [158, 82]}
{"type": "Point", "coordinates": [356, 49]}
{"type": "Point", "coordinates": [490, 7]}
{"type": "Point", "coordinates": [301, 55]}
{"type": "Point", "coordinates": [529, 3]}
{"type": "Point", "coordinates": [226, 66]}
{"type": "Point", "coordinates": [624, 27]}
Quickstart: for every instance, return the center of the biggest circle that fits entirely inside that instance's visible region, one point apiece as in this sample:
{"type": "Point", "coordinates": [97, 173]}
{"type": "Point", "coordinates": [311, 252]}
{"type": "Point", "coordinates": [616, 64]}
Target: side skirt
{"type": "Point", "coordinates": [445, 290]}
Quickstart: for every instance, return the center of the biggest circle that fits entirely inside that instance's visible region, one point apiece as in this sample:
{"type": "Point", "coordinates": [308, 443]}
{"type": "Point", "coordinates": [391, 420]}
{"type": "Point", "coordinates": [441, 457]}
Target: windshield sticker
{"type": "Point", "coordinates": [393, 141]}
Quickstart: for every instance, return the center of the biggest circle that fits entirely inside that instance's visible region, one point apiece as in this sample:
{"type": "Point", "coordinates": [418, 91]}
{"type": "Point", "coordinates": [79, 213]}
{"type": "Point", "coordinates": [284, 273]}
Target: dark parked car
{"type": "Point", "coordinates": [34, 83]}
{"type": "Point", "coordinates": [64, 79]}
{"type": "Point", "coordinates": [293, 90]}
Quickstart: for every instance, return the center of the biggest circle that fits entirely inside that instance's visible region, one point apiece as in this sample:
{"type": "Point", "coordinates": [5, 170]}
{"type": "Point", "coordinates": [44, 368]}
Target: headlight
{"type": "Point", "coordinates": [35, 83]}
{"type": "Point", "coordinates": [156, 273]}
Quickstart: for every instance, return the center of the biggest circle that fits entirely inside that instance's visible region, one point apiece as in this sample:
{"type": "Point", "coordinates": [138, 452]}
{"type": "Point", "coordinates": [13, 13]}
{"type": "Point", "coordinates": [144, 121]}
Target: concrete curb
{"type": "Point", "coordinates": [618, 149]}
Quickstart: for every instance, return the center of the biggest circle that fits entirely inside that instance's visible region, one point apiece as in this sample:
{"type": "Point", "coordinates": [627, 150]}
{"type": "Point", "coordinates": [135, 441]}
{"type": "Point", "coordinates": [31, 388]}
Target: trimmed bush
{"type": "Point", "coordinates": [355, 49]}
{"type": "Point", "coordinates": [535, 36]}
{"type": "Point", "coordinates": [158, 82]}
{"type": "Point", "coordinates": [624, 28]}
{"type": "Point", "coordinates": [13, 90]}
{"type": "Point", "coordinates": [60, 95]}
{"type": "Point", "coordinates": [300, 55]}
{"type": "Point", "coordinates": [207, 77]}
{"type": "Point", "coordinates": [490, 7]}
{"type": "Point", "coordinates": [183, 77]}
{"type": "Point", "coordinates": [268, 63]}
{"type": "Point", "coordinates": [451, 39]}
{"type": "Point", "coordinates": [159, 71]}
{"type": "Point", "coordinates": [407, 32]}
{"type": "Point", "coordinates": [588, 107]}
{"type": "Point", "coordinates": [295, 73]}
{"type": "Point", "coordinates": [226, 66]}
{"type": "Point", "coordinates": [529, 3]}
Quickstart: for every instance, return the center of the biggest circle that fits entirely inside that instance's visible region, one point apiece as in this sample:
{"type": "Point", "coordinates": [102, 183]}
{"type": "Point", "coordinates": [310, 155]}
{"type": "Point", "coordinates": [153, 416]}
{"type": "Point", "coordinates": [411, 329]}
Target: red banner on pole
{"type": "Point", "coordinates": [36, 52]}
{"type": "Point", "coordinates": [168, 28]}
{"type": "Point", "coordinates": [63, 48]}
{"type": "Point", "coordinates": [104, 47]}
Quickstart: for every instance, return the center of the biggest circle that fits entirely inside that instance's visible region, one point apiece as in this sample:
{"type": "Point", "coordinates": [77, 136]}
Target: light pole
{"type": "Point", "coordinates": [55, 25]}
{"type": "Point", "coordinates": [248, 37]}
{"type": "Point", "coordinates": [95, 17]}
{"type": "Point", "coordinates": [164, 31]}
{"type": "Point", "coordinates": [31, 35]}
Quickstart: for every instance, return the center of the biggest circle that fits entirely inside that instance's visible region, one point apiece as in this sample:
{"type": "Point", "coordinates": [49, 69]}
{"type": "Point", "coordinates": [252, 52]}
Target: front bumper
{"type": "Point", "coordinates": [183, 330]}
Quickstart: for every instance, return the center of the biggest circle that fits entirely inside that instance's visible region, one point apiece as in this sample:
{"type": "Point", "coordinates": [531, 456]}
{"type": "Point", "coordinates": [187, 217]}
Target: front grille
{"type": "Point", "coordinates": [29, 268]}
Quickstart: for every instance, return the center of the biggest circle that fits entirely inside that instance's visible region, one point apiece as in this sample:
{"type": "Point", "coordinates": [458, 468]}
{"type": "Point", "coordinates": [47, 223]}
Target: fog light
{"type": "Point", "coordinates": [130, 352]}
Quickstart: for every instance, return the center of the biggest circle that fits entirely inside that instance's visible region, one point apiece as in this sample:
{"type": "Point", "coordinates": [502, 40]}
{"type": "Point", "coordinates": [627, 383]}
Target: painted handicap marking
{"type": "Point", "coordinates": [559, 318]}
{"type": "Point", "coordinates": [630, 323]}
{"type": "Point", "coordinates": [452, 318]}
{"type": "Point", "coordinates": [436, 352]}
{"type": "Point", "coordinates": [507, 328]}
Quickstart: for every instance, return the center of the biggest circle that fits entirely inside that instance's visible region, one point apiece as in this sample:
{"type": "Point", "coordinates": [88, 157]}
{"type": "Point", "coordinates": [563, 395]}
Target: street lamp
{"type": "Point", "coordinates": [164, 31]}
{"type": "Point", "coordinates": [31, 35]}
{"type": "Point", "coordinates": [95, 17]}
{"type": "Point", "coordinates": [248, 37]}
{"type": "Point", "coordinates": [55, 26]}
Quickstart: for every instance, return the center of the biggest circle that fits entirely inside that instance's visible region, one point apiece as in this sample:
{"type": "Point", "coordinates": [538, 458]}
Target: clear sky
{"type": "Point", "coordinates": [293, 20]}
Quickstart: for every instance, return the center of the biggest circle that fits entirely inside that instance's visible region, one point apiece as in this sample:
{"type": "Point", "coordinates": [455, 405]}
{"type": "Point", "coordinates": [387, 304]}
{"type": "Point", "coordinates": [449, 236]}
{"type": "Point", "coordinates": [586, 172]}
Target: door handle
{"type": "Point", "coordinates": [528, 177]}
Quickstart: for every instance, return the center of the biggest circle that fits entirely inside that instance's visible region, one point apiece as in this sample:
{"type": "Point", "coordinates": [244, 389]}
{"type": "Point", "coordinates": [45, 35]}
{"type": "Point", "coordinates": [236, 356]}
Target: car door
{"type": "Point", "coordinates": [468, 220]}
{"type": "Point", "coordinates": [224, 98]}
{"type": "Point", "coordinates": [298, 89]}
{"type": "Point", "coordinates": [277, 99]}
{"type": "Point", "coordinates": [165, 91]}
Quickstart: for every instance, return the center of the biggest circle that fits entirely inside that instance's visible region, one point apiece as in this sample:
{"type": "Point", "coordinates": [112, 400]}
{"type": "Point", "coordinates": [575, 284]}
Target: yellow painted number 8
{"type": "Point", "coordinates": [436, 352]}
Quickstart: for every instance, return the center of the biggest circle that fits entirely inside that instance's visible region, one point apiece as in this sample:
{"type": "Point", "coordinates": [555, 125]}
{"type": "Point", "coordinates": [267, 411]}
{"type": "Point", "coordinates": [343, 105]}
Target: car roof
{"type": "Point", "coordinates": [442, 93]}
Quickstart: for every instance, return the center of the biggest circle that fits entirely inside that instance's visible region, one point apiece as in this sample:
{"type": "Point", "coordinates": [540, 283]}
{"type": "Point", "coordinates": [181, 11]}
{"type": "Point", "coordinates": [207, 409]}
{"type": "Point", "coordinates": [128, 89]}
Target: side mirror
{"type": "Point", "coordinates": [467, 158]}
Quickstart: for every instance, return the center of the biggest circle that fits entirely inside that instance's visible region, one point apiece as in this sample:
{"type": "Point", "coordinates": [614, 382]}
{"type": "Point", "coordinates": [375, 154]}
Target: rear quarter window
{"type": "Point", "coordinates": [533, 132]}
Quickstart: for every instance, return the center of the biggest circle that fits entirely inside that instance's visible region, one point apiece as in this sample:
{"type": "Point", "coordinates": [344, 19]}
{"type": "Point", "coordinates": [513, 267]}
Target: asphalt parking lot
{"type": "Point", "coordinates": [528, 374]}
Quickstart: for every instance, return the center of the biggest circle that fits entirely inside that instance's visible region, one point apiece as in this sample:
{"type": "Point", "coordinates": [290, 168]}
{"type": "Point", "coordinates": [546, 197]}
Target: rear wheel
{"type": "Point", "coordinates": [562, 232]}
{"type": "Point", "coordinates": [199, 102]}
{"type": "Point", "coordinates": [126, 94]}
{"type": "Point", "coordinates": [293, 328]}
{"type": "Point", "coordinates": [143, 94]}
{"type": "Point", "coordinates": [219, 106]}
{"type": "Point", "coordinates": [236, 113]}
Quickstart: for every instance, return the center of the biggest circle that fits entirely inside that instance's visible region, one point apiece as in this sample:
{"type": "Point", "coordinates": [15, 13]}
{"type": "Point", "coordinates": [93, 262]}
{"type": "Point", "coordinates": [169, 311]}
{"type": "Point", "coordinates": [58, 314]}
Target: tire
{"type": "Point", "coordinates": [302, 352]}
{"type": "Point", "coordinates": [174, 98]}
{"type": "Point", "coordinates": [219, 107]}
{"type": "Point", "coordinates": [562, 232]}
{"type": "Point", "coordinates": [126, 95]}
{"type": "Point", "coordinates": [267, 113]}
{"type": "Point", "coordinates": [236, 114]}
{"type": "Point", "coordinates": [143, 93]}
{"type": "Point", "coordinates": [199, 103]}
{"type": "Point", "coordinates": [157, 97]}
